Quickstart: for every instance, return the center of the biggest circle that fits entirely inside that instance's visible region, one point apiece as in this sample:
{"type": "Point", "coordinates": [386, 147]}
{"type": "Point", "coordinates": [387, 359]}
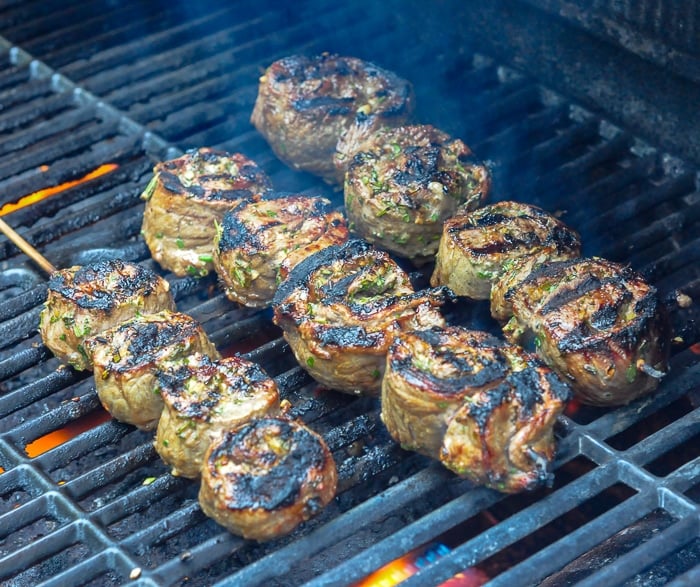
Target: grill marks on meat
{"type": "Point", "coordinates": [204, 397]}
{"type": "Point", "coordinates": [260, 242]}
{"type": "Point", "coordinates": [266, 477]}
{"type": "Point", "coordinates": [477, 247]}
{"type": "Point", "coordinates": [127, 358]}
{"type": "Point", "coordinates": [405, 182]}
{"type": "Point", "coordinates": [86, 300]}
{"type": "Point", "coordinates": [597, 323]}
{"type": "Point", "coordinates": [306, 104]}
{"type": "Point", "coordinates": [486, 409]}
{"type": "Point", "coordinates": [428, 375]}
{"type": "Point", "coordinates": [185, 200]}
{"type": "Point", "coordinates": [341, 308]}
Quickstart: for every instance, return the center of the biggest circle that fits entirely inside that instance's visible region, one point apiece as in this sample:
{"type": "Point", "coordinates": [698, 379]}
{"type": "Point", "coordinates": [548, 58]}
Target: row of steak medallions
{"type": "Point", "coordinates": [156, 367]}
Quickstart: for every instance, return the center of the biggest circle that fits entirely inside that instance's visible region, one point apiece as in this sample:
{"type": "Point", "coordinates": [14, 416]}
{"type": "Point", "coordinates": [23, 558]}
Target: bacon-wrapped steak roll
{"type": "Point", "coordinates": [597, 323]}
{"type": "Point", "coordinates": [503, 434]}
{"type": "Point", "coordinates": [85, 300]}
{"type": "Point", "coordinates": [405, 182]}
{"type": "Point", "coordinates": [476, 247]}
{"type": "Point", "coordinates": [341, 308]}
{"type": "Point", "coordinates": [127, 357]}
{"type": "Point", "coordinates": [185, 200]}
{"type": "Point", "coordinates": [202, 398]}
{"type": "Point", "coordinates": [305, 104]}
{"type": "Point", "coordinates": [429, 374]}
{"type": "Point", "coordinates": [259, 243]}
{"type": "Point", "coordinates": [266, 477]}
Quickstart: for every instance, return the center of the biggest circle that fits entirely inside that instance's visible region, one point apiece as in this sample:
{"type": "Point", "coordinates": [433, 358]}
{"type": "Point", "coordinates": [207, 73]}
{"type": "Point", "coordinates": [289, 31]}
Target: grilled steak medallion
{"type": "Point", "coordinates": [597, 323]}
{"type": "Point", "coordinates": [503, 434]}
{"type": "Point", "coordinates": [85, 300]}
{"type": "Point", "coordinates": [259, 243]}
{"type": "Point", "coordinates": [305, 104]}
{"type": "Point", "coordinates": [341, 308]}
{"type": "Point", "coordinates": [405, 182]}
{"type": "Point", "coordinates": [127, 357]}
{"type": "Point", "coordinates": [477, 246]}
{"type": "Point", "coordinates": [185, 200]}
{"type": "Point", "coordinates": [429, 374]}
{"type": "Point", "coordinates": [266, 477]}
{"type": "Point", "coordinates": [203, 397]}
{"type": "Point", "coordinates": [483, 407]}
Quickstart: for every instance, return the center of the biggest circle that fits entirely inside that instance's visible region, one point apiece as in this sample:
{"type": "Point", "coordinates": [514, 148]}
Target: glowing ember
{"type": "Point", "coordinates": [30, 199]}
{"type": "Point", "coordinates": [58, 437]}
{"type": "Point", "coordinates": [409, 564]}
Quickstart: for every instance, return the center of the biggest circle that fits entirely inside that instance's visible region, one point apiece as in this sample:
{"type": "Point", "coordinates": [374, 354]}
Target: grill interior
{"type": "Point", "coordinates": [90, 83]}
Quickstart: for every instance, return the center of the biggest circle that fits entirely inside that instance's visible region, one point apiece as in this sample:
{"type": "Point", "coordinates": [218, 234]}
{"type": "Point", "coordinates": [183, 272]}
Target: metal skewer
{"type": "Point", "coordinates": [26, 248]}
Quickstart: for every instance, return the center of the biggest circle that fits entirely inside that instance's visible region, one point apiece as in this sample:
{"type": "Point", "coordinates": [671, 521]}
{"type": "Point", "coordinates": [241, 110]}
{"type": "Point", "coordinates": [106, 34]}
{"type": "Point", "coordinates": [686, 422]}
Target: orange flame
{"type": "Point", "coordinates": [34, 197]}
{"type": "Point", "coordinates": [71, 430]}
{"type": "Point", "coordinates": [409, 564]}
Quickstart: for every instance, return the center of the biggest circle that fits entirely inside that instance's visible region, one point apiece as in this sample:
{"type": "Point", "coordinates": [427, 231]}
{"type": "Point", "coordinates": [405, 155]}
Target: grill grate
{"type": "Point", "coordinates": [147, 89]}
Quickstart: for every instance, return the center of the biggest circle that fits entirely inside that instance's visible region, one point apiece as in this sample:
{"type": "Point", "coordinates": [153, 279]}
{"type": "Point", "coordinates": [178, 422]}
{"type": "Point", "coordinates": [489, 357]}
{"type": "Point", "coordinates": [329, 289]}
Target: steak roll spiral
{"type": "Point", "coordinates": [86, 300]}
{"type": "Point", "coordinates": [266, 477]}
{"type": "Point", "coordinates": [259, 243]}
{"type": "Point", "coordinates": [477, 246]}
{"type": "Point", "coordinates": [306, 104]}
{"type": "Point", "coordinates": [405, 182]}
{"type": "Point", "coordinates": [185, 200]}
{"type": "Point", "coordinates": [597, 323]}
{"type": "Point", "coordinates": [341, 308]}
{"type": "Point", "coordinates": [486, 409]}
{"type": "Point", "coordinates": [203, 397]}
{"type": "Point", "coordinates": [127, 357]}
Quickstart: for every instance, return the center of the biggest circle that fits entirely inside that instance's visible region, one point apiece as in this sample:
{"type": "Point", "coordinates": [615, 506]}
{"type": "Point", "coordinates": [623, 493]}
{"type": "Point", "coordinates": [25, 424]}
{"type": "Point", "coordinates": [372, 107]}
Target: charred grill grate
{"type": "Point", "coordinates": [149, 88]}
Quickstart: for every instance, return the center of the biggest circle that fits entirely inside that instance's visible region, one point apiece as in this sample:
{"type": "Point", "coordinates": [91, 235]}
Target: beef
{"type": "Point", "coordinates": [203, 397]}
{"type": "Point", "coordinates": [258, 243]}
{"type": "Point", "coordinates": [478, 246]}
{"type": "Point", "coordinates": [341, 308]}
{"type": "Point", "coordinates": [484, 408]}
{"type": "Point", "coordinates": [597, 323]}
{"type": "Point", "coordinates": [185, 200]}
{"type": "Point", "coordinates": [126, 360]}
{"type": "Point", "coordinates": [306, 104]}
{"type": "Point", "coordinates": [266, 477]}
{"type": "Point", "coordinates": [86, 300]}
{"type": "Point", "coordinates": [405, 182]}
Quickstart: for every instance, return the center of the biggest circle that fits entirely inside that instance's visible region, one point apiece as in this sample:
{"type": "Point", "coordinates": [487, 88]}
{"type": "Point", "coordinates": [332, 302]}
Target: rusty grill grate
{"type": "Point", "coordinates": [86, 85]}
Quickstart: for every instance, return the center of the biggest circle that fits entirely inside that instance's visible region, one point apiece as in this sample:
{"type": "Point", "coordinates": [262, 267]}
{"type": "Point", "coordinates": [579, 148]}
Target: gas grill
{"type": "Point", "coordinates": [92, 94]}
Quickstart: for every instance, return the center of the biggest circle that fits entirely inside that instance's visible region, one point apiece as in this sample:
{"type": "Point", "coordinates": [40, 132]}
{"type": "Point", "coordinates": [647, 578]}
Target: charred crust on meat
{"type": "Point", "coordinates": [247, 181]}
{"type": "Point", "coordinates": [235, 232]}
{"type": "Point", "coordinates": [299, 276]}
{"type": "Point", "coordinates": [279, 483]}
{"type": "Point", "coordinates": [146, 340]}
{"type": "Point", "coordinates": [121, 281]}
{"type": "Point", "coordinates": [349, 336]}
{"type": "Point", "coordinates": [236, 375]}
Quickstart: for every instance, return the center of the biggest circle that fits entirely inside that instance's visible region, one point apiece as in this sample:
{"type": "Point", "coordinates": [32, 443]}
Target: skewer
{"type": "Point", "coordinates": [26, 248]}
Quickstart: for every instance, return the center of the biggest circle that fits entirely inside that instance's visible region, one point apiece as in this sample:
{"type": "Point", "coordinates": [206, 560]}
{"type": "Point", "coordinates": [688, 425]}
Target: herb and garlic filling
{"type": "Point", "coordinates": [306, 104]}
{"type": "Point", "coordinates": [258, 243]}
{"type": "Point", "coordinates": [478, 246]}
{"type": "Point", "coordinates": [599, 324]}
{"type": "Point", "coordinates": [187, 197]}
{"type": "Point", "coordinates": [403, 184]}
{"type": "Point", "coordinates": [264, 478]}
{"type": "Point", "coordinates": [341, 308]}
{"type": "Point", "coordinates": [484, 408]}
{"type": "Point", "coordinates": [85, 300]}
{"type": "Point", "coordinates": [202, 397]}
{"type": "Point", "coordinates": [126, 360]}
